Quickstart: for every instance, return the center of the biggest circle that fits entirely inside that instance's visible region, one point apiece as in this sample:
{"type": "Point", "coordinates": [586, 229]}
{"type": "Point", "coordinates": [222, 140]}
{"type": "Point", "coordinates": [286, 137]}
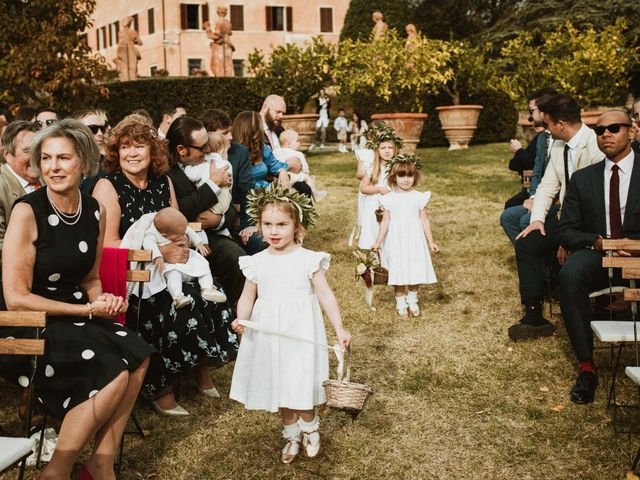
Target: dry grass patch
{"type": "Point", "coordinates": [454, 398]}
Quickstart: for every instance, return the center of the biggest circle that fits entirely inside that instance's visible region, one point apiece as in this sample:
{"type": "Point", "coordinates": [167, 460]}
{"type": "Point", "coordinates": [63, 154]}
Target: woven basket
{"type": "Point", "coordinates": [343, 394]}
{"type": "Point", "coordinates": [379, 212]}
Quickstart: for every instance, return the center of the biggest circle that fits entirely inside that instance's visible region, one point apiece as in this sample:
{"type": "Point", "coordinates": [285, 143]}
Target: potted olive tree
{"type": "Point", "coordinates": [395, 77]}
{"type": "Point", "coordinates": [472, 73]}
{"type": "Point", "coordinates": [296, 73]}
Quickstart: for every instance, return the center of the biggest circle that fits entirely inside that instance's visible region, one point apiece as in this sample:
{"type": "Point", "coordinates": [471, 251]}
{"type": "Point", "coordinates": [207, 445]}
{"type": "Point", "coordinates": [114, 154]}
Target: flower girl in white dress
{"type": "Point", "coordinates": [405, 234]}
{"type": "Point", "coordinates": [383, 144]}
{"type": "Point", "coordinates": [283, 356]}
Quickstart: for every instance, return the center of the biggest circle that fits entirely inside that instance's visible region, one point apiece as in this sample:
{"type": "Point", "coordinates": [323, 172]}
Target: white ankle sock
{"type": "Point", "coordinates": [412, 297]}
{"type": "Point", "coordinates": [309, 426]}
{"type": "Point", "coordinates": [401, 302]}
{"type": "Point", "coordinates": [291, 432]}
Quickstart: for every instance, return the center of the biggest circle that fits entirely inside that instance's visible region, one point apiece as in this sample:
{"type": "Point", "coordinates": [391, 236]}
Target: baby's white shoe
{"type": "Point", "coordinates": [292, 435]}
{"type": "Point", "coordinates": [310, 436]}
{"type": "Point", "coordinates": [213, 295]}
{"type": "Point", "coordinates": [182, 301]}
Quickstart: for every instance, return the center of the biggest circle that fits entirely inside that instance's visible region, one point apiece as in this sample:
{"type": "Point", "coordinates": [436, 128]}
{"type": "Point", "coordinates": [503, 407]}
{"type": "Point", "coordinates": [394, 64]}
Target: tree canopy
{"type": "Point", "coordinates": [43, 58]}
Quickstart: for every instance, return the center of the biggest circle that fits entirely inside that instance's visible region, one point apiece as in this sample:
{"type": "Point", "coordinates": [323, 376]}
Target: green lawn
{"type": "Point", "coordinates": [454, 398]}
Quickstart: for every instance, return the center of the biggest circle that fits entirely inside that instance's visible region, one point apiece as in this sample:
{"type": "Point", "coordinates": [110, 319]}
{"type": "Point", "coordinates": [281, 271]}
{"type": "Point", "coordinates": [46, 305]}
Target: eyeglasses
{"type": "Point", "coordinates": [98, 128]}
{"type": "Point", "coordinates": [201, 148]}
{"type": "Point", "coordinates": [531, 110]}
{"type": "Point", "coordinates": [46, 123]}
{"type": "Point", "coordinates": [613, 128]}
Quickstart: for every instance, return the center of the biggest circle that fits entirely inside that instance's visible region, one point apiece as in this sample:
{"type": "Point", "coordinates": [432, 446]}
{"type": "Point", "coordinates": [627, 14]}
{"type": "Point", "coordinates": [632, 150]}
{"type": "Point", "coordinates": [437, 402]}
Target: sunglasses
{"type": "Point", "coordinates": [98, 128]}
{"type": "Point", "coordinates": [46, 123]}
{"type": "Point", "coordinates": [531, 110]}
{"type": "Point", "coordinates": [201, 148]}
{"type": "Point", "coordinates": [613, 128]}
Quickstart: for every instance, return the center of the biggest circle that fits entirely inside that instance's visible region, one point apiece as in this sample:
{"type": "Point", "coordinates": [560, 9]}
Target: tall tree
{"type": "Point", "coordinates": [43, 58]}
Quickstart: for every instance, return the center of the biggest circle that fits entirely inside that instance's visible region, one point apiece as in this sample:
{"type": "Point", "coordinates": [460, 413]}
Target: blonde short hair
{"type": "Point", "coordinates": [217, 141]}
{"type": "Point", "coordinates": [288, 136]}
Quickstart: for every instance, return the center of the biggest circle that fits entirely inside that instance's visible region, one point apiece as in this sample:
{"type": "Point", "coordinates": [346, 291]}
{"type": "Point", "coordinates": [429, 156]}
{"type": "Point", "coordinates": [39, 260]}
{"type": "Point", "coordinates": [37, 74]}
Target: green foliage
{"type": "Point", "coordinates": [592, 65]}
{"type": "Point", "coordinates": [293, 72]}
{"type": "Point", "coordinates": [497, 121]}
{"type": "Point", "coordinates": [233, 95]}
{"type": "Point", "coordinates": [42, 59]}
{"type": "Point", "coordinates": [358, 24]}
{"type": "Point", "coordinates": [387, 74]}
{"type": "Point", "coordinates": [473, 70]}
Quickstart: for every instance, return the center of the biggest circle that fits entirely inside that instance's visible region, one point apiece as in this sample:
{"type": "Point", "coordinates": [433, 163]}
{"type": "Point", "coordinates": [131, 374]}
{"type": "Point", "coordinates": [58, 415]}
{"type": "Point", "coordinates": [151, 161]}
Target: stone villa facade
{"type": "Point", "coordinates": [173, 38]}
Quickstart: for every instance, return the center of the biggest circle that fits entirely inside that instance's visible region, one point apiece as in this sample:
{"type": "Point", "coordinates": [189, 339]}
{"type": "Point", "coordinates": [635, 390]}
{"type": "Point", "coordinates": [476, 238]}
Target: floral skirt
{"type": "Point", "coordinates": [184, 338]}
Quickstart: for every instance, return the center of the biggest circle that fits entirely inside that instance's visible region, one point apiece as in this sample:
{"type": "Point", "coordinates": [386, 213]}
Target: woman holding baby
{"type": "Point", "coordinates": [189, 339]}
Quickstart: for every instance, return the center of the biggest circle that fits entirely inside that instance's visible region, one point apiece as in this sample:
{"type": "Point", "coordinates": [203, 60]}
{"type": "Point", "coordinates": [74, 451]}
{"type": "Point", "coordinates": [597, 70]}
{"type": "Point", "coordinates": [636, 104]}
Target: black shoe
{"type": "Point", "coordinates": [584, 390]}
{"type": "Point", "coordinates": [526, 329]}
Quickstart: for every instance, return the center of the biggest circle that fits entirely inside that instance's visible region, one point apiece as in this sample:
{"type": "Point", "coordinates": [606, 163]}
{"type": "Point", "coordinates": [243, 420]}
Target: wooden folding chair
{"type": "Point", "coordinates": [16, 450]}
{"type": "Point", "coordinates": [619, 333]}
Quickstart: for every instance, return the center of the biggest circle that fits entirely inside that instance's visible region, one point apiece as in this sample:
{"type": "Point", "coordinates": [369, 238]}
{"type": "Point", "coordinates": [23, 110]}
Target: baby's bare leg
{"type": "Point", "coordinates": [174, 283]}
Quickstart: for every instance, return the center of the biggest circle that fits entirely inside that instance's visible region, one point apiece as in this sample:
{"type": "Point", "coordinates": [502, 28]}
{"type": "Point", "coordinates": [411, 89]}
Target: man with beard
{"type": "Point", "coordinates": [273, 108]}
{"type": "Point", "coordinates": [602, 201]}
{"type": "Point", "coordinates": [515, 219]}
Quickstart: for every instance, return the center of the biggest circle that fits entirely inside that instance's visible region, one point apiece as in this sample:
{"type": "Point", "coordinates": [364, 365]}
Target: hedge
{"type": "Point", "coordinates": [497, 122]}
{"type": "Point", "coordinates": [230, 94]}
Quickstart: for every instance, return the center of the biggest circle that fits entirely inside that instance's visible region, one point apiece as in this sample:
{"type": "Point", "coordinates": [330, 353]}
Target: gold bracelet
{"type": "Point", "coordinates": [90, 311]}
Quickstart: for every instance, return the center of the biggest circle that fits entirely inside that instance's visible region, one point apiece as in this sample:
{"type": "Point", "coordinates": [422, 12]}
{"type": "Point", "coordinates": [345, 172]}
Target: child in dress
{"type": "Point", "coordinates": [357, 127]}
{"type": "Point", "coordinates": [282, 362]}
{"type": "Point", "coordinates": [383, 144]}
{"type": "Point", "coordinates": [405, 234]}
{"type": "Point", "coordinates": [169, 225]}
{"type": "Point", "coordinates": [341, 125]}
{"type": "Point", "coordinates": [298, 171]}
{"type": "Point", "coordinates": [201, 173]}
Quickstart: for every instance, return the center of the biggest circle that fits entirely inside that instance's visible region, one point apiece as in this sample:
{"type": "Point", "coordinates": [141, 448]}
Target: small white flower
{"type": "Point", "coordinates": [361, 268]}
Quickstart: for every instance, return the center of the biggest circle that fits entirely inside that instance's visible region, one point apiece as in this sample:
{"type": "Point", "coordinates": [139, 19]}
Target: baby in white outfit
{"type": "Point", "coordinates": [298, 166]}
{"type": "Point", "coordinates": [199, 174]}
{"type": "Point", "coordinates": [169, 225]}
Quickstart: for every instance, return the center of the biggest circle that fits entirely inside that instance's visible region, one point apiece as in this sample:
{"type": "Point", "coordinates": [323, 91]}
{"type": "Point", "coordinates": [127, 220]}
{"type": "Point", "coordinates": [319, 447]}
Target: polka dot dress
{"type": "Point", "coordinates": [81, 356]}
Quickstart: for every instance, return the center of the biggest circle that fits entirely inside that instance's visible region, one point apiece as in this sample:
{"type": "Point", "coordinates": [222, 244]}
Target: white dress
{"type": "Point", "coordinates": [405, 248]}
{"type": "Point", "coordinates": [274, 371]}
{"type": "Point", "coordinates": [368, 204]}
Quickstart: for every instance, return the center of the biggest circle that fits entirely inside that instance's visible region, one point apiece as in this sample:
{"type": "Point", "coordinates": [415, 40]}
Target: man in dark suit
{"type": "Point", "coordinates": [188, 143]}
{"type": "Point", "coordinates": [602, 201]}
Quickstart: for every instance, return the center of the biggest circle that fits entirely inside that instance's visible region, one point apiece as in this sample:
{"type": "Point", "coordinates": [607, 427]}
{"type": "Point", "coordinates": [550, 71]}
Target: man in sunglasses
{"type": "Point", "coordinates": [635, 116]}
{"type": "Point", "coordinates": [575, 148]}
{"type": "Point", "coordinates": [602, 201]}
{"type": "Point", "coordinates": [45, 117]}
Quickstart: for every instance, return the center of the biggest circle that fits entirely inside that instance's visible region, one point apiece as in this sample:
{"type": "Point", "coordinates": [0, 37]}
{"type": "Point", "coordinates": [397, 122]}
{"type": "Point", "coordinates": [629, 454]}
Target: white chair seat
{"type": "Point", "coordinates": [607, 291]}
{"type": "Point", "coordinates": [614, 331]}
{"type": "Point", "coordinates": [633, 373]}
{"type": "Point", "coordinates": [13, 449]}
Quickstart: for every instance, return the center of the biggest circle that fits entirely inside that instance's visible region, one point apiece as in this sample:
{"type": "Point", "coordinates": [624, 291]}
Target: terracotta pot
{"type": "Point", "coordinates": [590, 117]}
{"type": "Point", "coordinates": [407, 125]}
{"type": "Point", "coordinates": [305, 125]}
{"type": "Point", "coordinates": [459, 123]}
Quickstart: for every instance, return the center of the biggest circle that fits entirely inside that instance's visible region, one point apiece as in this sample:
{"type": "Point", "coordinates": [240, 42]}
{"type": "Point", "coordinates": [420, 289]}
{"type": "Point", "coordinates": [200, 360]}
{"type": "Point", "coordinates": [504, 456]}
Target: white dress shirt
{"type": "Point", "coordinates": [576, 140]}
{"type": "Point", "coordinates": [624, 174]}
{"type": "Point", "coordinates": [23, 183]}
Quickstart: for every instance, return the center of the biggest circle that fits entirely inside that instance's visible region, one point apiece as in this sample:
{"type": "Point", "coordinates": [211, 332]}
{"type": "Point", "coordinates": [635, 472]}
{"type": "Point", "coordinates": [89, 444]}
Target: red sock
{"type": "Point", "coordinates": [588, 366]}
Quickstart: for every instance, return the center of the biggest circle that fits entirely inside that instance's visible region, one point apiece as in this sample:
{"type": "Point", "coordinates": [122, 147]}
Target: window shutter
{"type": "Point", "coordinates": [269, 19]}
{"type": "Point", "coordinates": [104, 37]}
{"type": "Point", "coordinates": [151, 21]}
{"type": "Point", "coordinates": [205, 12]}
{"type": "Point", "coordinates": [117, 30]}
{"type": "Point", "coordinates": [326, 19]}
{"type": "Point", "coordinates": [183, 16]}
{"type": "Point", "coordinates": [97, 39]}
{"type": "Point", "coordinates": [289, 19]}
{"type": "Point", "coordinates": [136, 24]}
{"type": "Point", "coordinates": [236, 13]}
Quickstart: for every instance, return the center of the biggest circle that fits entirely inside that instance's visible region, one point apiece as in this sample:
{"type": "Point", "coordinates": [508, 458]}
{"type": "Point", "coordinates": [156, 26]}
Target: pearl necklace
{"type": "Point", "coordinates": [67, 219]}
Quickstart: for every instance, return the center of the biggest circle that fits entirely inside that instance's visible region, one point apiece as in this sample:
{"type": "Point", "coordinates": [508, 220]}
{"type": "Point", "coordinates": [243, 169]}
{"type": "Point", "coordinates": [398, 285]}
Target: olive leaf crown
{"type": "Point", "coordinates": [259, 198]}
{"type": "Point", "coordinates": [382, 132]}
{"type": "Point", "coordinates": [403, 158]}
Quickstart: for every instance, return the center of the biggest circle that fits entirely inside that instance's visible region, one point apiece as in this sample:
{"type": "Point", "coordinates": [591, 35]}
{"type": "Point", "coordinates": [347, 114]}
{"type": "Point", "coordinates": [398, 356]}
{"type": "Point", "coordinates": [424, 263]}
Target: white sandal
{"type": "Point", "coordinates": [311, 443]}
{"type": "Point", "coordinates": [290, 449]}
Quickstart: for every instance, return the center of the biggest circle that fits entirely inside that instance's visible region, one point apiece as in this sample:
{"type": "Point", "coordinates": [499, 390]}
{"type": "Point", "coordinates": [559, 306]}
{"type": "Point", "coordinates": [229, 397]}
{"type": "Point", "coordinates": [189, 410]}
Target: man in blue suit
{"type": "Point", "coordinates": [602, 201]}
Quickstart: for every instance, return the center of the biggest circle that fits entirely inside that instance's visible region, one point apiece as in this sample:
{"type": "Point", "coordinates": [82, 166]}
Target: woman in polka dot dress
{"type": "Point", "coordinates": [92, 368]}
